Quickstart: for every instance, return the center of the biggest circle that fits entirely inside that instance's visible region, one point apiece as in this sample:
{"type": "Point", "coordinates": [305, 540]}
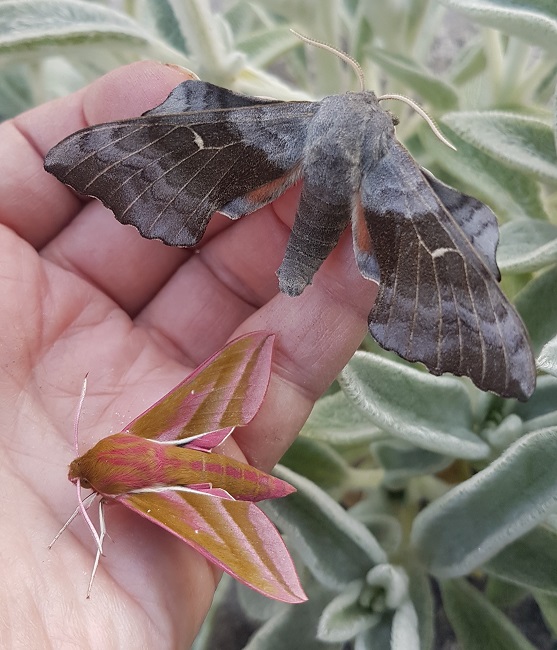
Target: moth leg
{"type": "Point", "coordinates": [86, 503]}
{"type": "Point", "coordinates": [317, 228]}
{"type": "Point", "coordinates": [102, 533]}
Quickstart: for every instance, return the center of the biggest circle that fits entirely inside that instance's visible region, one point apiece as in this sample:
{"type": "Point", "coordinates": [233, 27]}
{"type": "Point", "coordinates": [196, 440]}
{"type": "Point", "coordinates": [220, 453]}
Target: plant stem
{"type": "Point", "coordinates": [537, 73]}
{"type": "Point", "coordinates": [328, 67]}
{"type": "Point", "coordinates": [202, 34]}
{"type": "Point", "coordinates": [494, 57]}
{"type": "Point", "coordinates": [514, 64]}
{"type": "Point", "coordinates": [364, 479]}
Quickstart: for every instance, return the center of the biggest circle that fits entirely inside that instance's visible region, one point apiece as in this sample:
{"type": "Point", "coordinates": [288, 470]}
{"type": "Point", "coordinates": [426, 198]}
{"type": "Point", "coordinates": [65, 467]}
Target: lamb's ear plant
{"type": "Point", "coordinates": [414, 493]}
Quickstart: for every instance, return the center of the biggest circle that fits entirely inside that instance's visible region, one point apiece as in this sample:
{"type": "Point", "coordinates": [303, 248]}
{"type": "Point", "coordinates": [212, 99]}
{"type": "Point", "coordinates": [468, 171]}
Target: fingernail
{"type": "Point", "coordinates": [183, 70]}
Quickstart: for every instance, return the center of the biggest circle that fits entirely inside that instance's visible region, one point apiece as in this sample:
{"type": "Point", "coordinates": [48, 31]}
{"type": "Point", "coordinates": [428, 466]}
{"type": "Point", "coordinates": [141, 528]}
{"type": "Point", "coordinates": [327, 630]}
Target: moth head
{"type": "Point", "coordinates": [76, 472]}
{"type": "Point", "coordinates": [394, 118]}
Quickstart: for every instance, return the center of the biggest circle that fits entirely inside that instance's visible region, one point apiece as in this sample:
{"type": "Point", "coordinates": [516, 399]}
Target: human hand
{"type": "Point", "coordinates": [83, 294]}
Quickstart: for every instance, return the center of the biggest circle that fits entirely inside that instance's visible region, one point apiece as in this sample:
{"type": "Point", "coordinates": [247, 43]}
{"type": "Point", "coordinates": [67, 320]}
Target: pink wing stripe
{"type": "Point", "coordinates": [208, 441]}
{"type": "Point", "coordinates": [225, 391]}
{"type": "Point", "coordinates": [234, 535]}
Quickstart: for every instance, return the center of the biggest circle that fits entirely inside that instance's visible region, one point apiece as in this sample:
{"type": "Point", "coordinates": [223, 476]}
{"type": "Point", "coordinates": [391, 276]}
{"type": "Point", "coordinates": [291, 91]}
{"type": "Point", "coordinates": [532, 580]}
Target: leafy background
{"type": "Point", "coordinates": [425, 515]}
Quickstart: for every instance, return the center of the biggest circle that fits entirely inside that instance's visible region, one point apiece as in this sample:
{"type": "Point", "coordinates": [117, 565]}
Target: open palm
{"type": "Point", "coordinates": [83, 294]}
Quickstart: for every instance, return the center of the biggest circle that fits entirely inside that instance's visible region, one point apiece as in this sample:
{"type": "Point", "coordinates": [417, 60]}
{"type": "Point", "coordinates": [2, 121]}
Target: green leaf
{"type": "Point", "coordinates": [547, 361]}
{"type": "Point", "coordinates": [412, 405]}
{"type": "Point", "coordinates": [422, 599]}
{"type": "Point", "coordinates": [317, 462]}
{"type": "Point", "coordinates": [295, 627]}
{"type": "Point", "coordinates": [385, 528]}
{"type": "Point", "coordinates": [530, 561]}
{"type": "Point", "coordinates": [527, 245]}
{"type": "Point", "coordinates": [404, 632]}
{"type": "Point", "coordinates": [397, 23]}
{"type": "Point", "coordinates": [520, 142]}
{"type": "Point", "coordinates": [505, 433]}
{"type": "Point", "coordinates": [265, 46]}
{"type": "Point", "coordinates": [254, 81]}
{"type": "Point", "coordinates": [502, 593]}
{"type": "Point", "coordinates": [554, 101]}
{"type": "Point", "coordinates": [344, 617]}
{"type": "Point", "coordinates": [473, 522]}
{"type": "Point", "coordinates": [544, 92]}
{"type": "Point", "coordinates": [243, 17]}
{"type": "Point", "coordinates": [540, 410]}
{"type": "Point", "coordinates": [534, 21]}
{"type": "Point", "coordinates": [376, 638]}
{"type": "Point", "coordinates": [537, 305]}
{"type": "Point", "coordinates": [334, 546]}
{"type": "Point", "coordinates": [402, 462]}
{"type": "Point", "coordinates": [27, 26]}
{"type": "Point", "coordinates": [336, 420]}
{"type": "Point", "coordinates": [548, 606]}
{"type": "Point", "coordinates": [60, 77]}
{"type": "Point", "coordinates": [476, 622]}
{"type": "Point", "coordinates": [166, 23]}
{"type": "Point", "coordinates": [16, 93]}
{"type": "Point", "coordinates": [362, 36]}
{"type": "Point", "coordinates": [392, 581]}
{"type": "Point", "coordinates": [469, 62]}
{"type": "Point", "coordinates": [430, 87]}
{"type": "Point", "coordinates": [348, 615]}
{"type": "Point", "coordinates": [256, 607]}
{"type": "Point", "coordinates": [512, 194]}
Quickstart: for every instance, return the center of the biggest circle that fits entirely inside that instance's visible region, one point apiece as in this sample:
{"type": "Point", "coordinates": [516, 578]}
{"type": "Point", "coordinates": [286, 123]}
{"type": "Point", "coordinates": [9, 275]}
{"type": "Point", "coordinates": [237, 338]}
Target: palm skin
{"type": "Point", "coordinates": [83, 294]}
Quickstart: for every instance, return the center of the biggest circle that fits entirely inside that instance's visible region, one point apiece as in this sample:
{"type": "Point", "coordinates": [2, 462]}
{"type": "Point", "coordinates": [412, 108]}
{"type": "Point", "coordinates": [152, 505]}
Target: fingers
{"type": "Point", "coordinates": [38, 206]}
{"type": "Point", "coordinates": [193, 301]}
{"type": "Point", "coordinates": [229, 278]}
{"type": "Point", "coordinates": [317, 333]}
{"type": "Point", "coordinates": [230, 288]}
{"type": "Point", "coordinates": [93, 244]}
{"type": "Point", "coordinates": [234, 265]}
{"type": "Point", "coordinates": [116, 259]}
{"type": "Point", "coordinates": [34, 204]}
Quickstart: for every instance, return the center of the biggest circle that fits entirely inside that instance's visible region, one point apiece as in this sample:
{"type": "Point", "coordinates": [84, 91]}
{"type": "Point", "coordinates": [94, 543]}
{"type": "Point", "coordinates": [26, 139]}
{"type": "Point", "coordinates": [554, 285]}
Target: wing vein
{"type": "Point", "coordinates": [130, 154]}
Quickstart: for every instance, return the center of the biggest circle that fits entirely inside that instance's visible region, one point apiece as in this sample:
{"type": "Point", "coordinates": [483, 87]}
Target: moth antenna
{"type": "Point", "coordinates": [341, 55]}
{"type": "Point", "coordinates": [81, 503]}
{"type": "Point", "coordinates": [421, 112]}
{"type": "Point", "coordinates": [78, 414]}
{"type": "Point", "coordinates": [102, 526]}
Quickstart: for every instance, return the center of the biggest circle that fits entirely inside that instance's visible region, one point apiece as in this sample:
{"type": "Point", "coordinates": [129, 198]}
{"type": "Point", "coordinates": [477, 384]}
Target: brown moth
{"type": "Point", "coordinates": [430, 248]}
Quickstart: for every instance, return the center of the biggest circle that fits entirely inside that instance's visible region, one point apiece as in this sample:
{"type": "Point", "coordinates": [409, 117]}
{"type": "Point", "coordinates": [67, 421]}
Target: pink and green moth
{"type": "Point", "coordinates": [161, 467]}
